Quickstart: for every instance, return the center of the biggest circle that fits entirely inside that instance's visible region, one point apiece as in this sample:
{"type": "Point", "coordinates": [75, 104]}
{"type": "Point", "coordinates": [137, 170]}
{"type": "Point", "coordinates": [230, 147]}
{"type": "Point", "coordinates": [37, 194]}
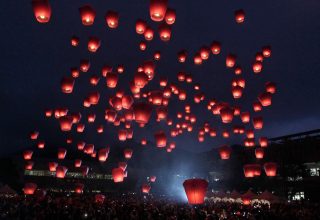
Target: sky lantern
{"type": "Point", "coordinates": [182, 94]}
{"type": "Point", "coordinates": [142, 112]}
{"type": "Point", "coordinates": [148, 34]}
{"type": "Point", "coordinates": [75, 41]}
{"type": "Point", "coordinates": [250, 133]}
{"type": "Point", "coordinates": [94, 80]}
{"type": "Point", "coordinates": [66, 123]}
{"type": "Point", "coordinates": [170, 16]}
{"type": "Point", "coordinates": [157, 55]}
{"type": "Point", "coordinates": [122, 135]}
{"type": "Point", "coordinates": [112, 80]}
{"type": "Point", "coordinates": [189, 78]}
{"type": "Point", "coordinates": [265, 99]}
{"type": "Point", "coordinates": [105, 70]}
{"type": "Point", "coordinates": [172, 145]}
{"type": "Point", "coordinates": [78, 188]}
{"type": "Point", "coordinates": [112, 19]}
{"type": "Point", "coordinates": [145, 188]}
{"type": "Point", "coordinates": [257, 67]}
{"type": "Point", "coordinates": [143, 141]}
{"type": "Point", "coordinates": [148, 68]}
{"type": "Point", "coordinates": [257, 122]}
{"type": "Point", "coordinates": [41, 144]}
{"type": "Point", "coordinates": [158, 9]}
{"type": "Point", "coordinates": [141, 26]}
{"type": "Point", "coordinates": [249, 142]}
{"type": "Point", "coordinates": [34, 135]}
{"type": "Point", "coordinates": [245, 117]}
{"type": "Point", "coordinates": [120, 68]}
{"type": "Point", "coordinates": [143, 45]}
{"type": "Point", "coordinates": [249, 170]}
{"type": "Point", "coordinates": [117, 175]}
{"type": "Point", "coordinates": [181, 76]}
{"type": "Point", "coordinates": [61, 171]}
{"type": "Point", "coordinates": [164, 32]}
{"type": "Point", "coordinates": [110, 115]}
{"type": "Point", "coordinates": [224, 152]}
{"type": "Point", "coordinates": [27, 155]}
{"type": "Point", "coordinates": [52, 166]}
{"type": "Point", "coordinates": [75, 72]}
{"type": "Point", "coordinates": [77, 163]}
{"type": "Point", "coordinates": [87, 14]}
{"type": "Point", "coordinates": [266, 51]}
{"type": "Point", "coordinates": [270, 169]}
{"type": "Point", "coordinates": [257, 107]}
{"type": "Point", "coordinates": [215, 47]}
{"type": "Point", "coordinates": [48, 113]}
{"type": "Point", "coordinates": [116, 103]}
{"type": "Point", "coordinates": [204, 53]}
{"type": "Point", "coordinates": [94, 44]}
{"type": "Point", "coordinates": [162, 112]}
{"type": "Point", "coordinates": [140, 79]}
{"type": "Point", "coordinates": [103, 154]}
{"type": "Point", "coordinates": [127, 153]}
{"type": "Point", "coordinates": [94, 98]}
{"type": "Point", "coordinates": [67, 84]}
{"type": "Point", "coordinates": [263, 141]}
{"type": "Point", "coordinates": [237, 70]}
{"type": "Point", "coordinates": [239, 82]}
{"type": "Point", "coordinates": [237, 91]}
{"type": "Point", "coordinates": [230, 60]}
{"type": "Point", "coordinates": [226, 114]}
{"type": "Point", "coordinates": [84, 65]}
{"type": "Point", "coordinates": [259, 152]}
{"type": "Point", "coordinates": [163, 82]}
{"type": "Point", "coordinates": [122, 165]}
{"type": "Point", "coordinates": [182, 56]}
{"type": "Point", "coordinates": [152, 179]}
{"type": "Point", "coordinates": [127, 101]}
{"type": "Point", "coordinates": [197, 59]}
{"type": "Point", "coordinates": [271, 87]}
{"type": "Point", "coordinates": [62, 153]}
{"type": "Point", "coordinates": [80, 128]}
{"type": "Point", "coordinates": [29, 188]}
{"type": "Point", "coordinates": [88, 149]}
{"type": "Point", "coordinates": [239, 16]}
{"type": "Point", "coordinates": [29, 165]}
{"type": "Point", "coordinates": [91, 117]}
{"type": "Point", "coordinates": [41, 10]}
{"type": "Point", "coordinates": [195, 190]}
{"type": "Point", "coordinates": [161, 139]}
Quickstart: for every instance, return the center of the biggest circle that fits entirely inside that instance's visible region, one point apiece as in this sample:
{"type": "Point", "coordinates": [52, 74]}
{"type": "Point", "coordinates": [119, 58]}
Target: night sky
{"type": "Point", "coordinates": [34, 58]}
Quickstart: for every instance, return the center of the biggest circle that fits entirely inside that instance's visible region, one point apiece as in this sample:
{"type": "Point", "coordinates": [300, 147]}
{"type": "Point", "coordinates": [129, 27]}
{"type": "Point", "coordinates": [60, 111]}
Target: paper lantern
{"type": "Point", "coordinates": [61, 153]}
{"type": "Point", "coordinates": [270, 87]}
{"type": "Point", "coordinates": [257, 122]}
{"type": "Point", "coordinates": [145, 188]}
{"type": "Point", "coordinates": [170, 16]}
{"type": "Point", "coordinates": [182, 55]}
{"type": "Point", "coordinates": [77, 163]}
{"type": "Point", "coordinates": [117, 175]}
{"type": "Point", "coordinates": [259, 152]}
{"type": "Point", "coordinates": [239, 16]}
{"type": "Point", "coordinates": [263, 141]}
{"type": "Point", "coordinates": [257, 67]}
{"type": "Point", "coordinates": [158, 9]}
{"type": "Point", "coordinates": [230, 60]}
{"type": "Point", "coordinates": [152, 179]}
{"type": "Point", "coordinates": [266, 51]}
{"type": "Point", "coordinates": [52, 166]}
{"type": "Point", "coordinates": [112, 19]}
{"type": "Point", "coordinates": [122, 165]}
{"type": "Point", "coordinates": [128, 153]}
{"type": "Point", "coordinates": [41, 10]}
{"type": "Point", "coordinates": [66, 123]}
{"type": "Point", "coordinates": [29, 188]}
{"type": "Point", "coordinates": [265, 99]}
{"type": "Point", "coordinates": [195, 190]}
{"type": "Point", "coordinates": [67, 84]}
{"type": "Point", "coordinates": [245, 117]}
{"type": "Point", "coordinates": [87, 14]}
{"type": "Point", "coordinates": [224, 152]}
{"type": "Point", "coordinates": [93, 44]}
{"type": "Point", "coordinates": [27, 155]}
{"type": "Point", "coordinates": [215, 47]}
{"type": "Point", "coordinates": [161, 139]}
{"type": "Point", "coordinates": [141, 26]}
{"type": "Point", "coordinates": [148, 34]}
{"type": "Point", "coordinates": [61, 172]}
{"type": "Point", "coordinates": [164, 32]}
{"type": "Point", "coordinates": [84, 65]}
{"type": "Point", "coordinates": [103, 154]}
{"type": "Point", "coordinates": [226, 114]}
{"type": "Point", "coordinates": [270, 169]}
{"type": "Point", "coordinates": [142, 112]}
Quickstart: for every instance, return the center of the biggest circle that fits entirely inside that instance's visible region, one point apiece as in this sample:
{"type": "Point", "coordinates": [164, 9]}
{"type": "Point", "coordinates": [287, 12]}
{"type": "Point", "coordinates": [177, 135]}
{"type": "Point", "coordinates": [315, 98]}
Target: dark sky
{"type": "Point", "coordinates": [35, 57]}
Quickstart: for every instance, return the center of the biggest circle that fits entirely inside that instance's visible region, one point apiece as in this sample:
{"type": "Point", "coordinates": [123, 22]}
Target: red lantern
{"type": "Point", "coordinates": [91, 118]}
{"type": "Point", "coordinates": [29, 188]}
{"type": "Point", "coordinates": [230, 60]}
{"type": "Point", "coordinates": [88, 149]}
{"type": "Point", "coordinates": [67, 84]}
{"type": "Point", "coordinates": [161, 139]}
{"type": "Point", "coordinates": [170, 16]}
{"type": "Point", "coordinates": [259, 152]}
{"type": "Point", "coordinates": [158, 9]}
{"type": "Point", "coordinates": [80, 128]}
{"type": "Point", "coordinates": [122, 165]}
{"type": "Point", "coordinates": [117, 175]}
{"type": "Point", "coordinates": [93, 44]}
{"type": "Point", "coordinates": [34, 135]}
{"type": "Point", "coordinates": [195, 190]}
{"type": "Point", "coordinates": [226, 114]}
{"type": "Point", "coordinates": [77, 163]}
{"type": "Point", "coordinates": [66, 123]}
{"type": "Point", "coordinates": [257, 66]}
{"type": "Point", "coordinates": [79, 188]}
{"type": "Point", "coordinates": [141, 26]}
{"type": "Point", "coordinates": [27, 155]}
{"type": "Point", "coordinates": [266, 51]}
{"type": "Point", "coordinates": [164, 32]}
{"type": "Point", "coordinates": [145, 188]}
{"type": "Point", "coordinates": [128, 153]}
{"type": "Point", "coordinates": [225, 152]}
{"type": "Point", "coordinates": [239, 16]}
{"type": "Point", "coordinates": [270, 169]}
{"type": "Point", "coordinates": [204, 53]}
{"type": "Point", "coordinates": [251, 170]}
{"type": "Point", "coordinates": [249, 142]}
{"type": "Point", "coordinates": [94, 80]}
{"type": "Point", "coordinates": [61, 172]}
{"type": "Point", "coordinates": [257, 122]}
{"type": "Point", "coordinates": [270, 87]}
{"type": "Point", "coordinates": [245, 117]}
{"type": "Point", "coordinates": [112, 80]}
{"type": "Point", "coordinates": [265, 99]}
{"type": "Point", "coordinates": [148, 34]}
{"type": "Point", "coordinates": [237, 91]}
{"type": "Point", "coordinates": [215, 47]}
{"type": "Point", "coordinates": [29, 165]}
{"type": "Point", "coordinates": [182, 55]}
{"type": "Point", "coordinates": [122, 135]}
{"type": "Point", "coordinates": [263, 141]}
{"type": "Point", "coordinates": [87, 14]}
{"type": "Point", "coordinates": [84, 65]}
{"type": "Point", "coordinates": [93, 98]}
{"type": "Point", "coordinates": [62, 153]}
{"type": "Point", "coordinates": [153, 179]}
{"type": "Point", "coordinates": [75, 41]}
{"type": "Point", "coordinates": [144, 141]}
{"type": "Point", "coordinates": [197, 59]}
{"type": "Point", "coordinates": [112, 19]}
{"type": "Point", "coordinates": [103, 154]}
{"type": "Point", "coordinates": [140, 79]}
{"type": "Point", "coordinates": [257, 106]}
{"type": "Point", "coordinates": [41, 10]}
{"type": "Point", "coordinates": [142, 112]}
{"type": "Point", "coordinates": [52, 166]}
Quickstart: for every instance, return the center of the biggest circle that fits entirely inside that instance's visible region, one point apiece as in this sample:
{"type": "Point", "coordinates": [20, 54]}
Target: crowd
{"type": "Point", "coordinates": [136, 208]}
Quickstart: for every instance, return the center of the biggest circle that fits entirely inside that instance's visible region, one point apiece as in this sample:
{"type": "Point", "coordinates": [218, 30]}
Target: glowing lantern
{"type": "Point", "coordinates": [266, 51]}
{"type": "Point", "coordinates": [259, 152]}
{"type": "Point", "coordinates": [161, 139]}
{"type": "Point", "coordinates": [112, 19]}
{"type": "Point", "coordinates": [62, 153]}
{"type": "Point", "coordinates": [52, 166]}
{"type": "Point", "coordinates": [142, 112]}
{"type": "Point", "coordinates": [105, 70]}
{"type": "Point", "coordinates": [250, 133]}
{"type": "Point", "coordinates": [170, 16]}
{"type": "Point", "coordinates": [122, 165]}
{"type": "Point", "coordinates": [158, 9]}
{"type": "Point", "coordinates": [239, 16]}
{"type": "Point", "coordinates": [75, 41]}
{"type": "Point", "coordinates": [195, 190]}
{"type": "Point", "coordinates": [87, 14]}
{"type": "Point", "coordinates": [215, 47]}
{"type": "Point", "coordinates": [226, 114]}
{"type": "Point", "coordinates": [197, 59]}
{"type": "Point", "coordinates": [225, 134]}
{"type": "Point", "coordinates": [142, 45]}
{"type": "Point", "coordinates": [145, 188]}
{"type": "Point", "coordinates": [48, 113]}
{"type": "Point", "coordinates": [164, 32]}
{"type": "Point", "coordinates": [148, 34]}
{"type": "Point", "coordinates": [225, 152]}
{"type": "Point", "coordinates": [93, 44]}
{"type": "Point", "coordinates": [128, 153]}
{"type": "Point", "coordinates": [144, 141]}
{"type": "Point", "coordinates": [29, 165]}
{"type": "Point", "coordinates": [140, 79]}
{"type": "Point", "coordinates": [77, 163]}
{"type": "Point", "coordinates": [67, 84]}
{"type": "Point", "coordinates": [270, 87]}
{"type": "Point", "coordinates": [27, 155]}
{"type": "Point", "coordinates": [66, 123]}
{"type": "Point", "coordinates": [88, 148]}
{"type": "Point", "coordinates": [257, 106]}
{"type": "Point", "coordinates": [122, 135]}
{"type": "Point", "coordinates": [182, 55]}
{"type": "Point", "coordinates": [237, 91]}
{"type": "Point", "coordinates": [257, 122]}
{"type": "Point", "coordinates": [230, 61]}
{"type": "Point", "coordinates": [152, 179]}
{"type": "Point", "coordinates": [84, 65]}
{"type": "Point", "coordinates": [204, 53]}
{"type": "Point", "coordinates": [75, 72]}
{"type": "Point", "coordinates": [249, 142]}
{"type": "Point", "coordinates": [162, 112]}
{"type": "Point", "coordinates": [80, 128]}
{"type": "Point", "coordinates": [116, 103]}
{"type": "Point", "coordinates": [79, 188]}
{"type": "Point", "coordinates": [237, 70]}
{"type": "Point", "coordinates": [263, 141]}
{"type": "Point", "coordinates": [141, 26]}
{"type": "Point", "coordinates": [265, 99]}
{"type": "Point", "coordinates": [245, 117]}
{"type": "Point", "coordinates": [29, 188]}
{"type": "Point", "coordinates": [117, 175]}
{"type": "Point", "coordinates": [94, 80]}
{"type": "Point", "coordinates": [249, 170]}
{"type": "Point", "coordinates": [91, 118]}
{"type": "Point", "coordinates": [41, 10]}
{"type": "Point", "coordinates": [103, 154]}
{"type": "Point", "coordinates": [182, 94]}
{"type": "Point", "coordinates": [270, 169]}
{"type": "Point", "coordinates": [61, 171]}
{"type": "Point", "coordinates": [257, 66]}
{"type": "Point", "coordinates": [34, 135]}
{"type": "Point", "coordinates": [112, 80]}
